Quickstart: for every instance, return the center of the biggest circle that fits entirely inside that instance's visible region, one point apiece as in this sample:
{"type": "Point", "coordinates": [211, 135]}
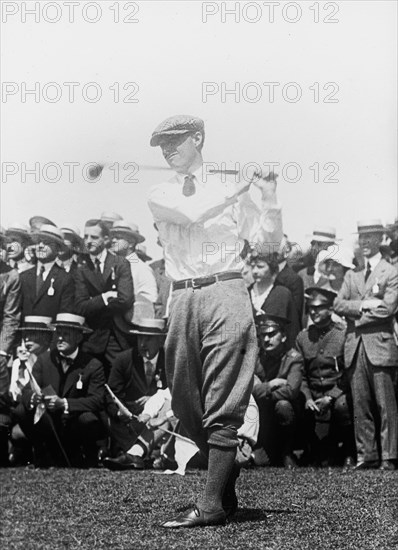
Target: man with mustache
{"type": "Point", "coordinates": [211, 346]}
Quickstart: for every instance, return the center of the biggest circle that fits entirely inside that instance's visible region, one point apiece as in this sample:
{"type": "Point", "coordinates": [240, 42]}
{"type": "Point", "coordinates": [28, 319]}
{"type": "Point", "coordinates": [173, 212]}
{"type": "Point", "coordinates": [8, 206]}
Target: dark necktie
{"type": "Point", "coordinates": [149, 371]}
{"type": "Point", "coordinates": [368, 272]}
{"type": "Point", "coordinates": [97, 267]}
{"type": "Point", "coordinates": [189, 186]}
{"type": "Point", "coordinates": [66, 362]}
{"type": "Point", "coordinates": [39, 280]}
{"type": "Point", "coordinates": [21, 370]}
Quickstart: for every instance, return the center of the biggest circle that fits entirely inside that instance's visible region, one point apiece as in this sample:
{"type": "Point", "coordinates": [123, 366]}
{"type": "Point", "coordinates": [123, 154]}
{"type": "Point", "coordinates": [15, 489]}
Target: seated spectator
{"type": "Point", "coordinates": [277, 390]}
{"type": "Point", "coordinates": [19, 239]}
{"type": "Point", "coordinates": [324, 385]}
{"type": "Point", "coordinates": [134, 377]}
{"type": "Point", "coordinates": [61, 414]}
{"type": "Point", "coordinates": [36, 336]}
{"type": "Point", "coordinates": [266, 295]}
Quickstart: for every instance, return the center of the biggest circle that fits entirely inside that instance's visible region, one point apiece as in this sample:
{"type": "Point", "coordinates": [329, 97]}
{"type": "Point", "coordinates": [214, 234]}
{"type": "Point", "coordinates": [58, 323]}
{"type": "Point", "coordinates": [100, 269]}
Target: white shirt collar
{"type": "Point", "coordinates": [101, 257]}
{"type": "Point", "coordinates": [282, 265]}
{"type": "Point", "coordinates": [198, 175]}
{"type": "Point", "coordinates": [373, 261]}
{"type": "Point", "coordinates": [47, 266]}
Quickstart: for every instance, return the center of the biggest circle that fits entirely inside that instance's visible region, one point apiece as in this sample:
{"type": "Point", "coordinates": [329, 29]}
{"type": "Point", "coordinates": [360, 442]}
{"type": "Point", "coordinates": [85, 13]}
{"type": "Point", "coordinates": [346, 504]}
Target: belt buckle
{"type": "Point", "coordinates": [196, 284]}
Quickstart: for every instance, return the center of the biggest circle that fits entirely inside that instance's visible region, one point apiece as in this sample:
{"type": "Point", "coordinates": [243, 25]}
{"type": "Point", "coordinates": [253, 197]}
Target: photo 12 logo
{"type": "Point", "coordinates": [69, 172]}
{"type": "Point", "coordinates": [70, 12]}
{"type": "Point", "coordinates": [69, 92]}
{"type": "Point", "coordinates": [269, 92]}
{"type": "Point", "coordinates": [270, 12]}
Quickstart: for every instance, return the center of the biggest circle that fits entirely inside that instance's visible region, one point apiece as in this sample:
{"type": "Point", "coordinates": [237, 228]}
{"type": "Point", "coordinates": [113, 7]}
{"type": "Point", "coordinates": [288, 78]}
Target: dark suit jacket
{"type": "Point", "coordinates": [374, 328]}
{"type": "Point", "coordinates": [48, 371]}
{"type": "Point", "coordinates": [100, 318]}
{"type": "Point", "coordinates": [128, 382]}
{"type": "Point", "coordinates": [293, 282]}
{"type": "Point", "coordinates": [62, 301]}
{"type": "Point", "coordinates": [280, 302]}
{"type": "Point", "coordinates": [10, 306]}
{"type": "Point", "coordinates": [289, 366]}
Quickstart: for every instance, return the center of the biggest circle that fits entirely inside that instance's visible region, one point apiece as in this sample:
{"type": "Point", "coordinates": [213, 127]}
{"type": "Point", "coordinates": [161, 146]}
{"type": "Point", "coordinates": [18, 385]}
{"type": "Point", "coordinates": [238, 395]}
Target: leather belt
{"type": "Point", "coordinates": [198, 282]}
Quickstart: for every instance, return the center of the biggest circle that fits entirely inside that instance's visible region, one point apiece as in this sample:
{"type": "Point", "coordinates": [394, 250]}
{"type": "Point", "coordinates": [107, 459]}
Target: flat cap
{"type": "Point", "coordinates": [318, 296]}
{"type": "Point", "coordinates": [175, 125]}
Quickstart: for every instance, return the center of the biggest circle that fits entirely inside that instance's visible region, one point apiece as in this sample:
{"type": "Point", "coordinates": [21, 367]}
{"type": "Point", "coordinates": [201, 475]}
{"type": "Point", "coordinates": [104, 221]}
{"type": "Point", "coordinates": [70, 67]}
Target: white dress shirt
{"type": "Point", "coordinates": [204, 234]}
{"type": "Point", "coordinates": [47, 269]}
{"type": "Point", "coordinates": [143, 278]}
{"type": "Point", "coordinates": [373, 261]}
{"type": "Point", "coordinates": [101, 257]}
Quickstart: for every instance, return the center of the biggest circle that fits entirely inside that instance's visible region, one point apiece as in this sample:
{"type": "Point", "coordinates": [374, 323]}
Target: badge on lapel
{"type": "Point", "coordinates": [51, 290]}
{"type": "Point", "coordinates": [79, 383]}
{"type": "Point", "coordinates": [376, 288]}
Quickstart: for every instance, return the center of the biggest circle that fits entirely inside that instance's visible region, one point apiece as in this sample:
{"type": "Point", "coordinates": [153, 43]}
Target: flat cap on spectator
{"type": "Point", "coordinates": [128, 229]}
{"type": "Point", "coordinates": [175, 125]}
{"type": "Point", "coordinates": [317, 296]}
{"type": "Point", "coordinates": [267, 323]}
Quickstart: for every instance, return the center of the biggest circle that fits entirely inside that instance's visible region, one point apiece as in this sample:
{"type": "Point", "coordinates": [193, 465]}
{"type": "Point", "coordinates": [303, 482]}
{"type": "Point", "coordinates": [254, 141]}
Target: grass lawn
{"type": "Point", "coordinates": [304, 509]}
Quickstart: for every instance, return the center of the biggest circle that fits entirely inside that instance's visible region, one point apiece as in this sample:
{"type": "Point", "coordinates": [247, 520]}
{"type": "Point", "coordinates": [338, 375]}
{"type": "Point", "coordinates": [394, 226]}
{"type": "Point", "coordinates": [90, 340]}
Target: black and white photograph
{"type": "Point", "coordinates": [198, 275]}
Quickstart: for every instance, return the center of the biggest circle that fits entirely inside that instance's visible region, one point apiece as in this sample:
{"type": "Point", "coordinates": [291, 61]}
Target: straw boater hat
{"type": "Point", "coordinates": [108, 216]}
{"type": "Point", "coordinates": [37, 221]}
{"type": "Point", "coordinates": [150, 327]}
{"type": "Point", "coordinates": [140, 250]}
{"type": "Point", "coordinates": [72, 233]}
{"type": "Point", "coordinates": [370, 226]}
{"type": "Point", "coordinates": [69, 320]}
{"type": "Point", "coordinates": [129, 229]}
{"type": "Point", "coordinates": [323, 234]}
{"type": "Point", "coordinates": [36, 323]}
{"type": "Point", "coordinates": [19, 230]}
{"type": "Point", "coordinates": [317, 296]}
{"type": "Point", "coordinates": [49, 232]}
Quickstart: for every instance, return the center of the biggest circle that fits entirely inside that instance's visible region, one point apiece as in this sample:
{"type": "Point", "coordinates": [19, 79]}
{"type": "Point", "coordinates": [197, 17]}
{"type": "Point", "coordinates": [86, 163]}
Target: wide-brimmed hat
{"type": "Point", "coordinates": [72, 233]}
{"type": "Point", "coordinates": [365, 227]}
{"type": "Point", "coordinates": [49, 232]}
{"type": "Point", "coordinates": [265, 322]}
{"type": "Point", "coordinates": [323, 234]}
{"type": "Point", "coordinates": [129, 229]}
{"type": "Point", "coordinates": [36, 323]}
{"type": "Point", "coordinates": [19, 230]}
{"type": "Point", "coordinates": [176, 125]}
{"type": "Point", "coordinates": [318, 296]}
{"type": "Point", "coordinates": [340, 255]}
{"type": "Point", "coordinates": [150, 327]}
{"type": "Point", "coordinates": [37, 221]}
{"type": "Point", "coordinates": [140, 250]}
{"type": "Point", "coordinates": [72, 321]}
{"type": "Point", "coordinates": [109, 216]}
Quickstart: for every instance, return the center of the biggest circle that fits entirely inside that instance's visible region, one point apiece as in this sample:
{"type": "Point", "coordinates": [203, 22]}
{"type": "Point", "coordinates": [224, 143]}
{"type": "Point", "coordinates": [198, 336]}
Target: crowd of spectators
{"type": "Point", "coordinates": [83, 322]}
